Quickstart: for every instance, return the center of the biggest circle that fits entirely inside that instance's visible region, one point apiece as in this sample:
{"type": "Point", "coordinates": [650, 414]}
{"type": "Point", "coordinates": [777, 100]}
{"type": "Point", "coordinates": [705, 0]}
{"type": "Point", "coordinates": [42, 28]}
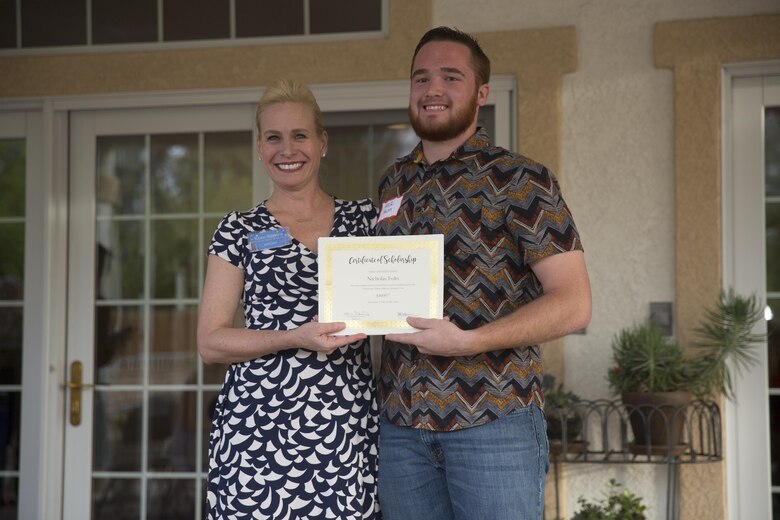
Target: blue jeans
{"type": "Point", "coordinates": [496, 471]}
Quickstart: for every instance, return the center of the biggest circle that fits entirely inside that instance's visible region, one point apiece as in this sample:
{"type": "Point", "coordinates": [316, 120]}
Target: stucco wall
{"type": "Point", "coordinates": [618, 173]}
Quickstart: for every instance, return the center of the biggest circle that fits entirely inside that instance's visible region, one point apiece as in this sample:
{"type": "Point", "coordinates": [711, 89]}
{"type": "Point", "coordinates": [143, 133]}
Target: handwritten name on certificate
{"type": "Point", "coordinates": [374, 283]}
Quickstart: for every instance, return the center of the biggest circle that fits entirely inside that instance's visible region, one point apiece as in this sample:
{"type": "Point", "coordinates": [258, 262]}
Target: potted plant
{"type": "Point", "coordinates": [656, 381]}
{"type": "Point", "coordinates": [563, 421]}
{"type": "Point", "coordinates": [618, 505]}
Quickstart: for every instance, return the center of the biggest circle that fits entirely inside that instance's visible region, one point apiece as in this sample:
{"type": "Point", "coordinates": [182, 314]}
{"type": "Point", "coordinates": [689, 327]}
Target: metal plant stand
{"type": "Point", "coordinates": [607, 438]}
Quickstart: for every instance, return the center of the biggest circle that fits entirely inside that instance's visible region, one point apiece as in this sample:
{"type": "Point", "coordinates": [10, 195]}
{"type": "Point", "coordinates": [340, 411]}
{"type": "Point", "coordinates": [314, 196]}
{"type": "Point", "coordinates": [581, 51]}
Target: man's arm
{"type": "Point", "coordinates": [564, 307]}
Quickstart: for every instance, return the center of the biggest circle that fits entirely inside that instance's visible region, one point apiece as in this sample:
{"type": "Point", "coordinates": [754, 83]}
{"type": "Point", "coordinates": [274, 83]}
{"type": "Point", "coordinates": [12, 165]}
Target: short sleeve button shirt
{"type": "Point", "coordinates": [499, 212]}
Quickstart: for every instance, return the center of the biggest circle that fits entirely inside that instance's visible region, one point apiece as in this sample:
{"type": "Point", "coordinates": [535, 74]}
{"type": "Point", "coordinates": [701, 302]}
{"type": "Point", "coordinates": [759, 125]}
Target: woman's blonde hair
{"type": "Point", "coordinates": [289, 91]}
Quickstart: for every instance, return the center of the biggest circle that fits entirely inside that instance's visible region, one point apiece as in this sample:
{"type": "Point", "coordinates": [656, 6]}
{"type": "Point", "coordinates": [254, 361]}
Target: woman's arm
{"type": "Point", "coordinates": [220, 342]}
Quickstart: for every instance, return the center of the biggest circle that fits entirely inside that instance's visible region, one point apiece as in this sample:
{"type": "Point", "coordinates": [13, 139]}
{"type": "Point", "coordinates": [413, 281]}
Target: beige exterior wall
{"type": "Point", "coordinates": [620, 98]}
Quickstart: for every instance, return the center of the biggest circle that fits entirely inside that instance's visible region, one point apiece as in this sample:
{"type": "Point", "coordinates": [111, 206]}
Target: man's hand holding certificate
{"type": "Point", "coordinates": [374, 283]}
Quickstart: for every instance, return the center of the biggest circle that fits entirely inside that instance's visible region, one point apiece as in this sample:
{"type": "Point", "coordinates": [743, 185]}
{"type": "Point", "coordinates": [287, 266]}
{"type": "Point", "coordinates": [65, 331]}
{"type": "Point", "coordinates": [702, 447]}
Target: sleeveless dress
{"type": "Point", "coordinates": [294, 433]}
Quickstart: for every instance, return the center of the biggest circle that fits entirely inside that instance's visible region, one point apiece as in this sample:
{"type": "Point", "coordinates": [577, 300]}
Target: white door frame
{"type": "Point", "coordinates": [46, 291]}
{"type": "Point", "coordinates": [744, 253]}
{"type": "Point", "coordinates": [43, 324]}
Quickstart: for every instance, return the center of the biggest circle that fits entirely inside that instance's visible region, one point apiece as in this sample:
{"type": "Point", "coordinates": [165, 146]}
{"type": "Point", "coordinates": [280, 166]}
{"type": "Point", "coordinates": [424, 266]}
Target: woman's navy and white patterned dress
{"type": "Point", "coordinates": [294, 433]}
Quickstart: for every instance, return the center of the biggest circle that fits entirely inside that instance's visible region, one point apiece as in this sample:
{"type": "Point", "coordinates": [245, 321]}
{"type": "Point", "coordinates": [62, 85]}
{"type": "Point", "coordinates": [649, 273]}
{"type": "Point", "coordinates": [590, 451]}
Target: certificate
{"type": "Point", "coordinates": [374, 283]}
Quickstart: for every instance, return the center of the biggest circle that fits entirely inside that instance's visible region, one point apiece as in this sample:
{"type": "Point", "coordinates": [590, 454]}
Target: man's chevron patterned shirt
{"type": "Point", "coordinates": [499, 212]}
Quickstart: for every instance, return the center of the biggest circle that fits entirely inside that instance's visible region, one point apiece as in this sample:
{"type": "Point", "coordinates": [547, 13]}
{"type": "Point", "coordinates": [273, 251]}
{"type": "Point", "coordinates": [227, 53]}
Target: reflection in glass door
{"type": "Point", "coordinates": [158, 199]}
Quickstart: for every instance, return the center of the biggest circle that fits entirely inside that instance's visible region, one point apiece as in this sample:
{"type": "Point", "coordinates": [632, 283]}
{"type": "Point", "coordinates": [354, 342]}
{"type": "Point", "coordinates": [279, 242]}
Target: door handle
{"type": "Point", "coordinates": [76, 385]}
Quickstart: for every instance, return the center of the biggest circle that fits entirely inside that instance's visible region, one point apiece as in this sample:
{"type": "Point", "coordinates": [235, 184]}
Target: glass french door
{"type": "Point", "coordinates": [147, 189]}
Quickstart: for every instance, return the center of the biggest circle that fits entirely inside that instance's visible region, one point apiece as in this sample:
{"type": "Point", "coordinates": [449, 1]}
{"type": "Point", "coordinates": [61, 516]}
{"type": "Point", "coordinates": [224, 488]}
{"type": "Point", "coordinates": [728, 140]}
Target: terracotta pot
{"type": "Point", "coordinates": [657, 418]}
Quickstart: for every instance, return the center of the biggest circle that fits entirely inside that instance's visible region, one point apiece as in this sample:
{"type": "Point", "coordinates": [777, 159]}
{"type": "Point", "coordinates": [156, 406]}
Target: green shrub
{"type": "Point", "coordinates": [618, 505]}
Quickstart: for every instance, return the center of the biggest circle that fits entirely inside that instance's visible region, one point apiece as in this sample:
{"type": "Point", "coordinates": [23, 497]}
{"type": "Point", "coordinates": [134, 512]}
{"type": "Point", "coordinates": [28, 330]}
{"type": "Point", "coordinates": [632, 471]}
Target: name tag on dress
{"type": "Point", "coordinates": [271, 239]}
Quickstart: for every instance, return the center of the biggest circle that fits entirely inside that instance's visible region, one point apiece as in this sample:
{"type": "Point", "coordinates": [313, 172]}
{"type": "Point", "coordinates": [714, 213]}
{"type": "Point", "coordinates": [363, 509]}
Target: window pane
{"type": "Point", "coordinates": [121, 184]}
{"type": "Point", "coordinates": [209, 228]}
{"type": "Point", "coordinates": [117, 431]}
{"type": "Point", "coordinates": [120, 260]}
{"type": "Point", "coordinates": [360, 146]}
{"type": "Point", "coordinates": [10, 508]}
{"type": "Point", "coordinates": [53, 23]}
{"type": "Point", "coordinates": [772, 147]}
{"type": "Point", "coordinates": [195, 19]}
{"type": "Point", "coordinates": [10, 411]}
{"type": "Point", "coordinates": [776, 506]}
{"type": "Point", "coordinates": [487, 120]}
{"type": "Point", "coordinates": [774, 429]}
{"type": "Point", "coordinates": [48, 23]}
{"type": "Point", "coordinates": [12, 175]}
{"type": "Point", "coordinates": [773, 246]}
{"type": "Point", "coordinates": [389, 143]}
{"type": "Point", "coordinates": [173, 353]}
{"type": "Point", "coordinates": [175, 259]}
{"type": "Point", "coordinates": [10, 346]}
{"type": "Point", "coordinates": [170, 498]}
{"type": "Point", "coordinates": [209, 405]}
{"type": "Point", "coordinates": [172, 431]}
{"type": "Point", "coordinates": [10, 421]}
{"type": "Point", "coordinates": [7, 27]}
{"type": "Point", "coordinates": [773, 328]}
{"type": "Point", "coordinates": [335, 16]}
{"type": "Point", "coordinates": [116, 499]}
{"type": "Point", "coordinates": [343, 172]}
{"type": "Point", "coordinates": [11, 261]}
{"type": "Point", "coordinates": [228, 171]}
{"type": "Point", "coordinates": [119, 338]}
{"type": "Point", "coordinates": [119, 21]}
{"type": "Point", "coordinates": [214, 374]}
{"type": "Point", "coordinates": [268, 18]}
{"type": "Point", "coordinates": [174, 169]}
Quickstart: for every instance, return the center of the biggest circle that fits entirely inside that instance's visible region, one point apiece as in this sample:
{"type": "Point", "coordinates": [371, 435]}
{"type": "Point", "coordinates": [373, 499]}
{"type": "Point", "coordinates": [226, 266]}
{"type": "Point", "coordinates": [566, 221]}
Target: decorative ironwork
{"type": "Point", "coordinates": [605, 435]}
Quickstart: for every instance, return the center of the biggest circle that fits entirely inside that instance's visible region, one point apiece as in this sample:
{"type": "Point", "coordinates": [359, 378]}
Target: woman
{"type": "Point", "coordinates": [295, 427]}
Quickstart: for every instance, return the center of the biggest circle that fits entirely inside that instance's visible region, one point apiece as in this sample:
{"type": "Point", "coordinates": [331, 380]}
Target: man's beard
{"type": "Point", "coordinates": [461, 120]}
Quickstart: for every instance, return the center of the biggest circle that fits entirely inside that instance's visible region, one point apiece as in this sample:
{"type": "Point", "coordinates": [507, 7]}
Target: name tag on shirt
{"type": "Point", "coordinates": [389, 208]}
{"type": "Point", "coordinates": [271, 239]}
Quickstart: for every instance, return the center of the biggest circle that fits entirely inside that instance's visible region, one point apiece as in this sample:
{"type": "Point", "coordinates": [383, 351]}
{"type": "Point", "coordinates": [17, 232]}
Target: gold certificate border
{"type": "Point", "coordinates": [434, 246]}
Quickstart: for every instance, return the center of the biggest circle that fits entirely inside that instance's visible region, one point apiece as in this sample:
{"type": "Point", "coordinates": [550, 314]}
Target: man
{"type": "Point", "coordinates": [463, 435]}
